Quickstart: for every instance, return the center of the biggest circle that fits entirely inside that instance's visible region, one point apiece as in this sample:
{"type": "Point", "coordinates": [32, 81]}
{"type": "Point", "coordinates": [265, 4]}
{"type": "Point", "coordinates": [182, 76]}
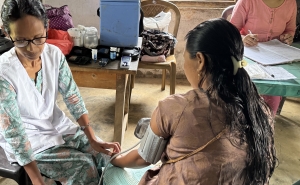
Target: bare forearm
{"type": "Point", "coordinates": [97, 144]}
{"type": "Point", "coordinates": [84, 121]}
{"type": "Point", "coordinates": [130, 160]}
{"type": "Point", "coordinates": [34, 173]}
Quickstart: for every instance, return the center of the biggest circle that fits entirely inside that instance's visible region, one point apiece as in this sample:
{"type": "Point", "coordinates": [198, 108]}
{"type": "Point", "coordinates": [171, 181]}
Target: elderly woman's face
{"type": "Point", "coordinates": [27, 28]}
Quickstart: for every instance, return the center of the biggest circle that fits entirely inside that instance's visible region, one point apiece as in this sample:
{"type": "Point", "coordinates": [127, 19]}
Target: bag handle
{"type": "Point", "coordinates": [198, 149]}
{"type": "Point", "coordinates": [48, 6]}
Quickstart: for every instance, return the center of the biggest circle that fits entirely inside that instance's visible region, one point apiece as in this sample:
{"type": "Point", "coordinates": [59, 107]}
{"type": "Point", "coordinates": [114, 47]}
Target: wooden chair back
{"type": "Point", "coordinates": [152, 7]}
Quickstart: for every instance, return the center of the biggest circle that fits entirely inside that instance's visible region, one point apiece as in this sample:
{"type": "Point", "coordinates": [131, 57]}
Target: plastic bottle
{"type": "Point", "coordinates": [90, 39]}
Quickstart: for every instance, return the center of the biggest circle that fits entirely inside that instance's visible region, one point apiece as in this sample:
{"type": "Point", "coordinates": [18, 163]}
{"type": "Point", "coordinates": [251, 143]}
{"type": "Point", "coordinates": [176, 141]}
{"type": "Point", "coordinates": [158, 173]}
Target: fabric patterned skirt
{"type": "Point", "coordinates": [73, 163]}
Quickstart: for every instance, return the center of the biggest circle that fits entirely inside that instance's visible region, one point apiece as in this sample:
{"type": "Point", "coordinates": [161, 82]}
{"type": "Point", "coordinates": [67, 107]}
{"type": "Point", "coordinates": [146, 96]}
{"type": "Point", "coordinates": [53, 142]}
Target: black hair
{"type": "Point", "coordinates": [246, 112]}
{"type": "Point", "coordinates": [12, 10]}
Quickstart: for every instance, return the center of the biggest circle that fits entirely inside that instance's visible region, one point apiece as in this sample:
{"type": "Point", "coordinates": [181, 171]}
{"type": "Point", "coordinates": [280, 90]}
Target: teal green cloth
{"type": "Point", "coordinates": [123, 176]}
{"type": "Point", "coordinates": [287, 88]}
{"type": "Point", "coordinates": [296, 44]}
{"type": "Point", "coordinates": [297, 183]}
{"type": "Point", "coordinates": [73, 163]}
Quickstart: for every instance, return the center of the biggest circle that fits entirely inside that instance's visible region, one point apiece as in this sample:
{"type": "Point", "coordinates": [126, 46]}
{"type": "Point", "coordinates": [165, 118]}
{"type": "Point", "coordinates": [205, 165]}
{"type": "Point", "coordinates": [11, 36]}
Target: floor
{"type": "Point", "coordinates": [145, 97]}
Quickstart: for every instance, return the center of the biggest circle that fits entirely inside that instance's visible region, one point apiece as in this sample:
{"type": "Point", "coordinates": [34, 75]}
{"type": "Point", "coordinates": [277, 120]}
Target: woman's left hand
{"type": "Point", "coordinates": [286, 38]}
{"type": "Point", "coordinates": [104, 147]}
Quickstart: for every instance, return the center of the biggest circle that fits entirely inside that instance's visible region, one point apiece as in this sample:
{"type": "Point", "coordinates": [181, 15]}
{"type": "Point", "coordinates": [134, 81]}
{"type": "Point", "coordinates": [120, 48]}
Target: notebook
{"type": "Point", "coordinates": [272, 52]}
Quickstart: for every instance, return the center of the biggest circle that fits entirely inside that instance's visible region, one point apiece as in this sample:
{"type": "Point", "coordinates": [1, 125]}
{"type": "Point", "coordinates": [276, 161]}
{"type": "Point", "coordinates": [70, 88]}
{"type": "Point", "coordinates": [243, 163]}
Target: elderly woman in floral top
{"type": "Point", "coordinates": [33, 131]}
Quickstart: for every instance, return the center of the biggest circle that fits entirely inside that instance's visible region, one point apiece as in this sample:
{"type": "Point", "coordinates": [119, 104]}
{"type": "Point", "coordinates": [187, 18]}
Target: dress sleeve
{"type": "Point", "coordinates": [239, 15]}
{"type": "Point", "coordinates": [291, 24]}
{"type": "Point", "coordinates": [11, 126]}
{"type": "Point", "coordinates": [69, 90]}
{"type": "Point", "coordinates": [168, 114]}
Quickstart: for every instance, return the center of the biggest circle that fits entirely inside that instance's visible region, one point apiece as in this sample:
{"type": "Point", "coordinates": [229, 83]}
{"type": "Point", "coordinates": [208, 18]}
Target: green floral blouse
{"type": "Point", "coordinates": [11, 127]}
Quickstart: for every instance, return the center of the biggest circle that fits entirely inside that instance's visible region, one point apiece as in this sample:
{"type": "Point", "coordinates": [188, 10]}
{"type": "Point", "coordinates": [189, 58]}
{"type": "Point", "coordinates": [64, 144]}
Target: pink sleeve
{"type": "Point", "coordinates": [291, 25]}
{"type": "Point", "coordinates": [239, 14]}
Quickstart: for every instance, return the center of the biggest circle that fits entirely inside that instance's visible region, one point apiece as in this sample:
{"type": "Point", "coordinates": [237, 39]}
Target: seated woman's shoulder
{"type": "Point", "coordinates": [51, 47]}
{"type": "Point", "coordinates": [184, 98]}
{"type": "Point", "coordinates": [52, 51]}
{"type": "Point", "coordinates": [7, 58]}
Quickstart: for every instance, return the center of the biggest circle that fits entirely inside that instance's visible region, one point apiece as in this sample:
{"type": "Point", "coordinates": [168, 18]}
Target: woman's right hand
{"type": "Point", "coordinates": [286, 38]}
{"type": "Point", "coordinates": [250, 40]}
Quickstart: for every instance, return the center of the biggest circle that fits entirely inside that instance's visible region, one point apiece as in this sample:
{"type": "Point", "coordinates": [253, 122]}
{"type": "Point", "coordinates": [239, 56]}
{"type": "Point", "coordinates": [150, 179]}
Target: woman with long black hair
{"type": "Point", "coordinates": [222, 126]}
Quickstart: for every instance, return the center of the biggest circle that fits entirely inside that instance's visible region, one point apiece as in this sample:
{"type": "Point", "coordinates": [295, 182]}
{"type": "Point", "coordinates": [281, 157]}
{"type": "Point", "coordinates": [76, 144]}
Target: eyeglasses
{"type": "Point", "coordinates": [35, 41]}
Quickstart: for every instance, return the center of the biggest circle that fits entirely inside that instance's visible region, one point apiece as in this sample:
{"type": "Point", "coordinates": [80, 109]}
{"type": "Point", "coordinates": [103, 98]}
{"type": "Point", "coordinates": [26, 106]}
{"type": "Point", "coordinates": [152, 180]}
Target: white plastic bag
{"type": "Point", "coordinates": [160, 22]}
{"type": "Point", "coordinates": [76, 36]}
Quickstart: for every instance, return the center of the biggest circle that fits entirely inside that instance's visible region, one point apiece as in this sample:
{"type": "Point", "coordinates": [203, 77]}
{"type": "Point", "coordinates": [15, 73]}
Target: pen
{"type": "Point", "coordinates": [251, 34]}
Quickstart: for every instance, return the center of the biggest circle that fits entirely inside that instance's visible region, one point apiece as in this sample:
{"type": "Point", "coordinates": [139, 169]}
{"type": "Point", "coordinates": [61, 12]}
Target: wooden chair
{"type": "Point", "coordinates": [151, 8]}
{"type": "Point", "coordinates": [280, 105]}
{"type": "Point", "coordinates": [227, 12]}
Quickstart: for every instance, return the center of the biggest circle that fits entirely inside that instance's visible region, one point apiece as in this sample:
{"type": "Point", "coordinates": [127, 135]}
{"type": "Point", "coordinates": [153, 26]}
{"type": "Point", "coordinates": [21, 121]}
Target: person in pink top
{"type": "Point", "coordinates": [264, 20]}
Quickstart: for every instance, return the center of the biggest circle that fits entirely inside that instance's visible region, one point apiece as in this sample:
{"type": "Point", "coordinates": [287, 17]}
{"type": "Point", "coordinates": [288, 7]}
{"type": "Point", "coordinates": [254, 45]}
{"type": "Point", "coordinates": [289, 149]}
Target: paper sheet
{"type": "Point", "coordinates": [287, 51]}
{"type": "Point", "coordinates": [278, 73]}
{"type": "Point", "coordinates": [264, 56]}
{"type": "Point", "coordinates": [272, 52]}
{"type": "Point", "coordinates": [256, 71]}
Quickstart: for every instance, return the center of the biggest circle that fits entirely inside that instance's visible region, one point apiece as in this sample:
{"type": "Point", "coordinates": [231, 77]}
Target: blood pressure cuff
{"type": "Point", "coordinates": [152, 146]}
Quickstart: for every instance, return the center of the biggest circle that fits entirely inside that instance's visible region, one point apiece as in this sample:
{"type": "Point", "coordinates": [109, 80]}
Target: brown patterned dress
{"type": "Point", "coordinates": [191, 120]}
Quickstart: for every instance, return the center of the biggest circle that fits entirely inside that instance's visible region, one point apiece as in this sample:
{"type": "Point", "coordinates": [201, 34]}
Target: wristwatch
{"type": "Point", "coordinates": [83, 127]}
